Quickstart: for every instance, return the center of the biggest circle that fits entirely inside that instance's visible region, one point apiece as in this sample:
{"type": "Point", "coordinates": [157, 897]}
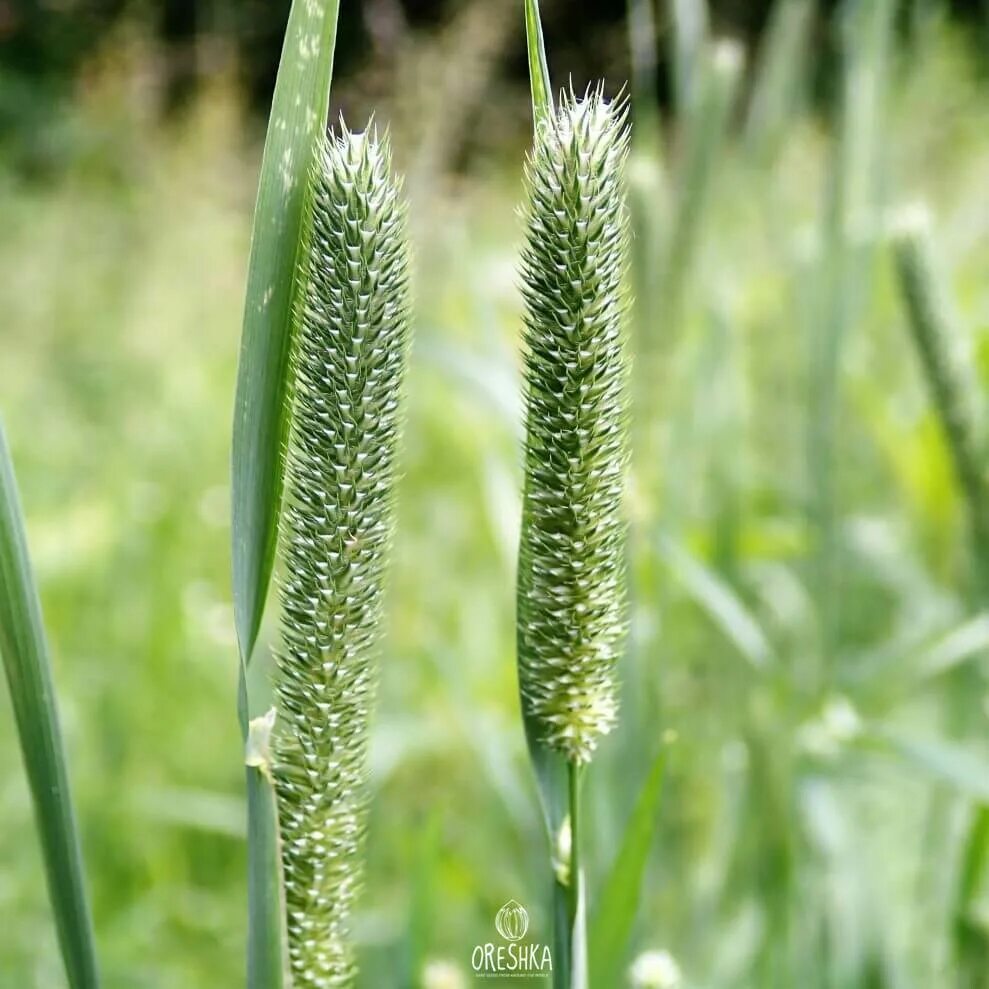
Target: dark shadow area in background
{"type": "Point", "coordinates": [44, 43]}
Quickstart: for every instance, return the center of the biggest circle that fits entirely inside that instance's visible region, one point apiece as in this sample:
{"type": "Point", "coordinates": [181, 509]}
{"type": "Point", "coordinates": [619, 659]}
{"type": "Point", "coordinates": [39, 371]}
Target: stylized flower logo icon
{"type": "Point", "coordinates": [512, 921]}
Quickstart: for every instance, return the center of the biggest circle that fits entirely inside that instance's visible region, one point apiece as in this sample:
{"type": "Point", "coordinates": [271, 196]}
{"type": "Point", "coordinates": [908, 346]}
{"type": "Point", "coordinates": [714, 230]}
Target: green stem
{"type": "Point", "coordinates": [542, 90]}
{"type": "Point", "coordinates": [577, 912]}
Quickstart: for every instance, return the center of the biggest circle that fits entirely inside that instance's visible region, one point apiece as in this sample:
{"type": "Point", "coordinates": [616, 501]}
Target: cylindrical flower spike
{"type": "Point", "coordinates": [571, 584]}
{"type": "Point", "coordinates": [350, 357]}
{"type": "Point", "coordinates": [948, 369]}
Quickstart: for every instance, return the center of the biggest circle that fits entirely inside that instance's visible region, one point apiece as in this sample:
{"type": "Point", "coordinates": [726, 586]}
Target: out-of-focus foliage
{"type": "Point", "coordinates": [47, 49]}
{"type": "Point", "coordinates": [813, 656]}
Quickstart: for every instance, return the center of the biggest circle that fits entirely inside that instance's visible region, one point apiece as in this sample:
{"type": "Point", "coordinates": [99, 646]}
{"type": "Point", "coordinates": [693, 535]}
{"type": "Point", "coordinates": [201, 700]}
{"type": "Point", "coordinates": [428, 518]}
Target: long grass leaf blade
{"type": "Point", "coordinates": [969, 929]}
{"type": "Point", "coordinates": [780, 78]}
{"type": "Point", "coordinates": [24, 651]}
{"type": "Point", "coordinates": [725, 608]}
{"type": "Point", "coordinates": [261, 420]}
{"type": "Point", "coordinates": [843, 284]}
{"type": "Point", "coordinates": [542, 90]}
{"type": "Point", "coordinates": [644, 63]}
{"type": "Point", "coordinates": [261, 416]}
{"type": "Point", "coordinates": [719, 75]}
{"type": "Point", "coordinates": [689, 34]}
{"type": "Point", "coordinates": [615, 910]}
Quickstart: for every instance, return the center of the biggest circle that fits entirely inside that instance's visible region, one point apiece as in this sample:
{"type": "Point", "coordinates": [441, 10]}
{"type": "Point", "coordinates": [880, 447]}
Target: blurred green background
{"type": "Point", "coordinates": [809, 634]}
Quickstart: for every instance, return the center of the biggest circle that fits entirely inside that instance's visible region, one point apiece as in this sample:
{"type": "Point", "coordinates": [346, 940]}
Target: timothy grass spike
{"type": "Point", "coordinates": [571, 607]}
{"type": "Point", "coordinates": [937, 336]}
{"type": "Point", "coordinates": [349, 365]}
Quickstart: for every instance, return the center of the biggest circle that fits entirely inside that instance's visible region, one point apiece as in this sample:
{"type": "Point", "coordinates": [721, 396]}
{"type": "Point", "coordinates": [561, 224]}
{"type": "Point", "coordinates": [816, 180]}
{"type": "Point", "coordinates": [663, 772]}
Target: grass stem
{"type": "Point", "coordinates": [577, 900]}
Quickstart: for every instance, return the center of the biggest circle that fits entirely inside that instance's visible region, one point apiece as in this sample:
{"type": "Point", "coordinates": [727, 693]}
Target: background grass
{"type": "Point", "coordinates": [814, 813]}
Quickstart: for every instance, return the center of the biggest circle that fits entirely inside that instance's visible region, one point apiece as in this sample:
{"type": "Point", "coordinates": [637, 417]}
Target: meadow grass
{"type": "Point", "coordinates": [778, 791]}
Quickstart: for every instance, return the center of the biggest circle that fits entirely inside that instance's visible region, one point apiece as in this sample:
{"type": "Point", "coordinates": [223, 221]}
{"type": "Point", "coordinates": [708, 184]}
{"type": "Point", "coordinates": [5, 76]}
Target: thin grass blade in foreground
{"type": "Point", "coordinates": [618, 902]}
{"type": "Point", "coordinates": [571, 609]}
{"type": "Point", "coordinates": [349, 366]}
{"type": "Point", "coordinates": [24, 651]}
{"type": "Point", "coordinates": [261, 416]}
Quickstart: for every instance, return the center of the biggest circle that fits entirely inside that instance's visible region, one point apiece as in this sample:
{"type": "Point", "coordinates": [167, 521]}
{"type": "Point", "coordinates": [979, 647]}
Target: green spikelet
{"type": "Point", "coordinates": [952, 387]}
{"type": "Point", "coordinates": [571, 608]}
{"type": "Point", "coordinates": [349, 364]}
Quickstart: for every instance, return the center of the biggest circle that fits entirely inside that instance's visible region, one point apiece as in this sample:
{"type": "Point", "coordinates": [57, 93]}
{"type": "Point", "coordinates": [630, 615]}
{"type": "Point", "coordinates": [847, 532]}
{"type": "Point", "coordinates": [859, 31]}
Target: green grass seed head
{"type": "Point", "coordinates": [350, 357]}
{"type": "Point", "coordinates": [571, 598]}
{"type": "Point", "coordinates": [936, 334]}
{"type": "Point", "coordinates": [953, 386]}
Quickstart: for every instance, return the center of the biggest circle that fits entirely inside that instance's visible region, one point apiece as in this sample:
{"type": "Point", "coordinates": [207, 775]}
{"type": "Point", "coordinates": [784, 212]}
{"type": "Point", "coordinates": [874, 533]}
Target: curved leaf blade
{"type": "Point", "coordinates": [616, 907]}
{"type": "Point", "coordinates": [261, 414]}
{"type": "Point", "coordinates": [724, 607]}
{"type": "Point", "coordinates": [24, 651]}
